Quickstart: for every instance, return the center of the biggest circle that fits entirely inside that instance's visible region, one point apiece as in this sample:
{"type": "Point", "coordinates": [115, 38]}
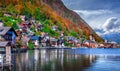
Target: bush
{"type": "Point", "coordinates": [15, 26]}
{"type": "Point", "coordinates": [30, 45]}
{"type": "Point", "coordinates": [68, 44]}
{"type": "Point", "coordinates": [26, 12]}
{"type": "Point", "coordinates": [1, 13]}
{"type": "Point", "coordinates": [74, 20]}
{"type": "Point", "coordinates": [74, 34]}
{"type": "Point", "coordinates": [9, 21]}
{"type": "Point", "coordinates": [39, 15]}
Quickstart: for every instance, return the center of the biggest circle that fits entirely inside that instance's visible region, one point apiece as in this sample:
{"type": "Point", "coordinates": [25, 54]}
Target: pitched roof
{"type": "Point", "coordinates": [90, 41]}
{"type": "Point", "coordinates": [3, 44]}
{"type": "Point", "coordinates": [53, 39]}
{"type": "Point", "coordinates": [35, 38]}
{"type": "Point", "coordinates": [4, 30]}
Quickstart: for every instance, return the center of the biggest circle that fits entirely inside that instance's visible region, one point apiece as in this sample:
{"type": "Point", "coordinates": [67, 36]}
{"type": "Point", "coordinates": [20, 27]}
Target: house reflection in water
{"type": "Point", "coordinates": [51, 60]}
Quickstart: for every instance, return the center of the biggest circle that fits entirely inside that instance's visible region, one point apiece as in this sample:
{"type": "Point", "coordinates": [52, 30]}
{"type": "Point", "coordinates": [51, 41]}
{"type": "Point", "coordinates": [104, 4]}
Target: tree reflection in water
{"type": "Point", "coordinates": [51, 60]}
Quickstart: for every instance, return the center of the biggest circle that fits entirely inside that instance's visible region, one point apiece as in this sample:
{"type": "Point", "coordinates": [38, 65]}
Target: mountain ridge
{"type": "Point", "coordinates": [58, 6]}
{"type": "Point", "coordinates": [55, 11]}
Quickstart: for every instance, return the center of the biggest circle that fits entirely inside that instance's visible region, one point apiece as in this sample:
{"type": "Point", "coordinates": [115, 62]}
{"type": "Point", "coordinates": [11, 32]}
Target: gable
{"type": "Point", "coordinates": [12, 29]}
{"type": "Point", "coordinates": [4, 30]}
{"type": "Point", "coordinates": [3, 44]}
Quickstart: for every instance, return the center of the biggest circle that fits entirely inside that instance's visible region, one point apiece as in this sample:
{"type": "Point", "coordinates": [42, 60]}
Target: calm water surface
{"type": "Point", "coordinates": [67, 60]}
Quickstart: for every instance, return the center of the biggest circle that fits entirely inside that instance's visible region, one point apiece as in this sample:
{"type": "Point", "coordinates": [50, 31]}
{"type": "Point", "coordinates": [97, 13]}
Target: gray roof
{"type": "Point", "coordinates": [3, 44]}
{"type": "Point", "coordinates": [53, 39]}
{"type": "Point", "coordinates": [4, 30]}
{"type": "Point", "coordinates": [90, 41]}
{"type": "Point", "coordinates": [26, 22]}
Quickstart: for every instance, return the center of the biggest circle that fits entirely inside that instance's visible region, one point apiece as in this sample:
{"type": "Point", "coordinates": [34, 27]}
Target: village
{"type": "Point", "coordinates": [24, 38]}
{"type": "Point", "coordinates": [59, 35]}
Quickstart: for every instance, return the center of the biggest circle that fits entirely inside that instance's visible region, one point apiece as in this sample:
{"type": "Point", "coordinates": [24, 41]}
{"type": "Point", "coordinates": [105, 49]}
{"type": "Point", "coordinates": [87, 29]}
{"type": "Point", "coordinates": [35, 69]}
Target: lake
{"type": "Point", "coordinates": [80, 59]}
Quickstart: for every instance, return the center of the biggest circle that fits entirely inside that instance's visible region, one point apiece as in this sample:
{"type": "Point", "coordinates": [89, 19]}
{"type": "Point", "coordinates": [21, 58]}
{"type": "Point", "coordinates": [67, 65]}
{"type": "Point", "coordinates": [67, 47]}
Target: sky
{"type": "Point", "coordinates": [102, 15]}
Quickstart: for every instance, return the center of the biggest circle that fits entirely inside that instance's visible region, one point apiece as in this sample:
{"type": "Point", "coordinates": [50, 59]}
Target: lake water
{"type": "Point", "coordinates": [83, 59]}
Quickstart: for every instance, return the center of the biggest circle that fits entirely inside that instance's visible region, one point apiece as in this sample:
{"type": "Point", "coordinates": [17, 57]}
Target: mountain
{"type": "Point", "coordinates": [50, 13]}
{"type": "Point", "coordinates": [109, 36]}
{"type": "Point", "coordinates": [112, 37]}
{"type": "Point", "coordinates": [74, 21]}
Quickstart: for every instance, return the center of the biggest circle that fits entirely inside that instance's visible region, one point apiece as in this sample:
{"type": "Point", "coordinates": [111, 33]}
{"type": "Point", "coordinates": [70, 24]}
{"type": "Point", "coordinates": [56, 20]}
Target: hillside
{"type": "Point", "coordinates": [49, 13]}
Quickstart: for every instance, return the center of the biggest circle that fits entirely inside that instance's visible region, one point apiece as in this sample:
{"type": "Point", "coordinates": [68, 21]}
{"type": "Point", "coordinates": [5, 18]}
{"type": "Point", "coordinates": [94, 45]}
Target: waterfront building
{"type": "Point", "coordinates": [8, 34]}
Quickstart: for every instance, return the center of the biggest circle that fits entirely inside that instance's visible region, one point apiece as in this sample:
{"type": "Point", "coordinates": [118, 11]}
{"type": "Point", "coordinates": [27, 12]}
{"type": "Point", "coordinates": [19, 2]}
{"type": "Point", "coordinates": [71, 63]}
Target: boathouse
{"type": "Point", "coordinates": [3, 46]}
{"type": "Point", "coordinates": [8, 34]}
{"type": "Point", "coordinates": [6, 48]}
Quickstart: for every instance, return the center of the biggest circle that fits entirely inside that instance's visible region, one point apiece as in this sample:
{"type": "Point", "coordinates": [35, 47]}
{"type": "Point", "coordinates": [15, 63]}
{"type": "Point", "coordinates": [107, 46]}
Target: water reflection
{"type": "Point", "coordinates": [105, 63]}
{"type": "Point", "coordinates": [63, 60]}
{"type": "Point", "coordinates": [51, 60]}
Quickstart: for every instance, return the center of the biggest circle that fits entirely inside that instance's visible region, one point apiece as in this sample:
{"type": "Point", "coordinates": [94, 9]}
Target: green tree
{"type": "Point", "coordinates": [39, 15]}
{"type": "Point", "coordinates": [26, 12]}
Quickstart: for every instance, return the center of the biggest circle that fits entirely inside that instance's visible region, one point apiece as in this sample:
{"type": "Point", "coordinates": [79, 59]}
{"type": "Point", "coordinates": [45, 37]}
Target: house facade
{"type": "Point", "coordinates": [8, 34]}
{"type": "Point", "coordinates": [90, 44]}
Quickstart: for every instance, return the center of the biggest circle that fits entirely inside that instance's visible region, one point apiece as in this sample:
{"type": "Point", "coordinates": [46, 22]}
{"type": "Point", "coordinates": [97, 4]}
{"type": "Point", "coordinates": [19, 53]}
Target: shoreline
{"type": "Point", "coordinates": [21, 50]}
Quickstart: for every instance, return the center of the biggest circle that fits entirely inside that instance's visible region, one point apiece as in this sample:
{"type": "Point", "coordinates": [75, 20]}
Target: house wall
{"type": "Point", "coordinates": [10, 36]}
{"type": "Point", "coordinates": [13, 38]}
{"type": "Point", "coordinates": [2, 49]}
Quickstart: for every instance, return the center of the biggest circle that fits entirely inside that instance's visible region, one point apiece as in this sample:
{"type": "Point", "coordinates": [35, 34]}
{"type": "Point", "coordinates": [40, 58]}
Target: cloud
{"type": "Point", "coordinates": [94, 17]}
{"type": "Point", "coordinates": [110, 30]}
{"type": "Point", "coordinates": [112, 25]}
{"type": "Point", "coordinates": [93, 12]}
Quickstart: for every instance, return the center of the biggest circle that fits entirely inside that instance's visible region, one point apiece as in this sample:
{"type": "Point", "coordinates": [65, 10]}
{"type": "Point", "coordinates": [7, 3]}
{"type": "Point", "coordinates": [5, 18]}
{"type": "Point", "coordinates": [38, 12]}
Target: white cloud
{"type": "Point", "coordinates": [93, 12]}
{"type": "Point", "coordinates": [99, 33]}
{"type": "Point", "coordinates": [94, 17]}
{"type": "Point", "coordinates": [112, 25]}
{"type": "Point", "coordinates": [101, 19]}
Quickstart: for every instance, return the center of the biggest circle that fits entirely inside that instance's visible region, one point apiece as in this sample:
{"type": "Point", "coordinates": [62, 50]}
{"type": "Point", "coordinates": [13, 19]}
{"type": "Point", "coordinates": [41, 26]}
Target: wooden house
{"type": "Point", "coordinates": [23, 17]}
{"type": "Point", "coordinates": [53, 42]}
{"type": "Point", "coordinates": [70, 39]}
{"type": "Point", "coordinates": [8, 34]}
{"type": "Point", "coordinates": [39, 26]}
{"type": "Point", "coordinates": [25, 24]}
{"type": "Point", "coordinates": [55, 28]}
{"type": "Point", "coordinates": [36, 40]}
{"type": "Point", "coordinates": [77, 43]}
{"type": "Point", "coordinates": [5, 47]}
